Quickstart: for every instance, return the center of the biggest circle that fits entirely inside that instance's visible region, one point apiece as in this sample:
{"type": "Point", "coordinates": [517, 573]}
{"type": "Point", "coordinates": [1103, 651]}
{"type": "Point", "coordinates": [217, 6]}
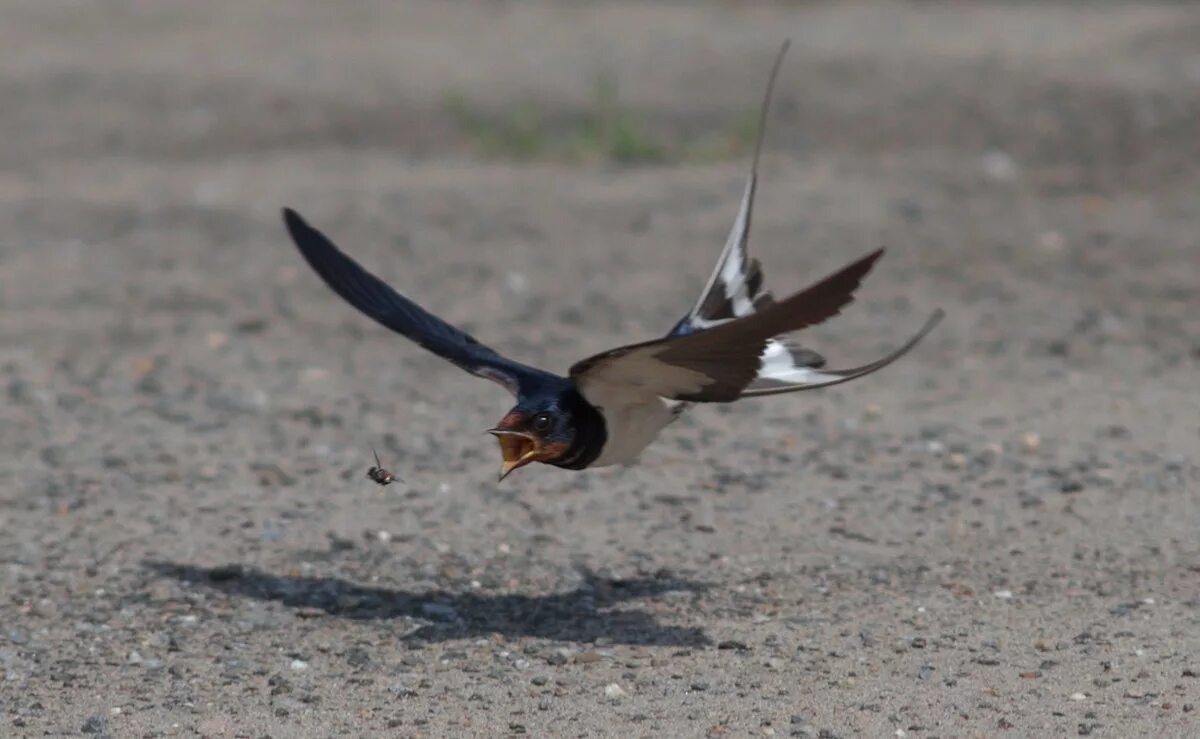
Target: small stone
{"type": "Point", "coordinates": [1030, 442]}
{"type": "Point", "coordinates": [1051, 241]}
{"type": "Point", "coordinates": [1071, 486]}
{"type": "Point", "coordinates": [1078, 697]}
{"type": "Point", "coordinates": [299, 665]}
{"type": "Point", "coordinates": [613, 692]}
{"type": "Point", "coordinates": [1003, 594]}
{"type": "Point", "coordinates": [998, 165]}
{"type": "Point", "coordinates": [586, 658]}
{"type": "Point", "coordinates": [700, 686]}
{"type": "Point", "coordinates": [731, 644]}
{"type": "Point", "coordinates": [95, 725]}
{"type": "Point", "coordinates": [539, 680]}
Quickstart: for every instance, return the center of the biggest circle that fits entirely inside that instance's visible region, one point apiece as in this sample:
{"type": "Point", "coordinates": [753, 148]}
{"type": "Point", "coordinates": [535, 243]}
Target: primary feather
{"type": "Point", "coordinates": [377, 300]}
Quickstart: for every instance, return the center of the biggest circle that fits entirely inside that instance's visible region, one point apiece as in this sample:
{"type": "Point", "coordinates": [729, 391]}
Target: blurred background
{"type": "Point", "coordinates": [188, 538]}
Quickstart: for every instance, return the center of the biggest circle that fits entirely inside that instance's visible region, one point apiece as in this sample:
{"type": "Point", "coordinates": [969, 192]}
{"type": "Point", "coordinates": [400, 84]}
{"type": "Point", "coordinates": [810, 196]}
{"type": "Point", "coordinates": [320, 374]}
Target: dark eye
{"type": "Point", "coordinates": [542, 421]}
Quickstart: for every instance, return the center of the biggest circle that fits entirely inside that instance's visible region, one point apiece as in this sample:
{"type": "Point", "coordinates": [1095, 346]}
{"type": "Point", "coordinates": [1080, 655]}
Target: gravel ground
{"type": "Point", "coordinates": [995, 537]}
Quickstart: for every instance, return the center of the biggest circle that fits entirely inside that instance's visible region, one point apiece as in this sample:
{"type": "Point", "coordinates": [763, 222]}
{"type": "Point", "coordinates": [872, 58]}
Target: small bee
{"type": "Point", "coordinates": [379, 474]}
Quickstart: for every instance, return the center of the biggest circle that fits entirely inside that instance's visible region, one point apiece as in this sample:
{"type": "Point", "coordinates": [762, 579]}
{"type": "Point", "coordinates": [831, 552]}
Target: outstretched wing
{"type": "Point", "coordinates": [720, 364]}
{"type": "Point", "coordinates": [788, 378]}
{"type": "Point", "coordinates": [378, 301]}
{"type": "Point", "coordinates": [735, 288]}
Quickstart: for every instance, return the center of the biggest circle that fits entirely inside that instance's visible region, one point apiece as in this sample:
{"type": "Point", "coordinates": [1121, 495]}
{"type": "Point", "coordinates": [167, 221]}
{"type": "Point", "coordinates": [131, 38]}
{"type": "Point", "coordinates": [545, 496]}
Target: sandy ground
{"type": "Point", "coordinates": [996, 537]}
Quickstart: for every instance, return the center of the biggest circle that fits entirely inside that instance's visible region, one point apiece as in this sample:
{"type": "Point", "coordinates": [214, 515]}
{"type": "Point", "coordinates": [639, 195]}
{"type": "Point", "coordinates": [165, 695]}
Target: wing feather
{"type": "Point", "coordinates": [378, 301]}
{"type": "Point", "coordinates": [735, 287]}
{"type": "Point", "coordinates": [718, 364]}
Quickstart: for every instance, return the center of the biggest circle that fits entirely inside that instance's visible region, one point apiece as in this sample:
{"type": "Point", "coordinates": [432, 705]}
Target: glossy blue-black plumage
{"type": "Point", "coordinates": [380, 302]}
{"type": "Point", "coordinates": [576, 422]}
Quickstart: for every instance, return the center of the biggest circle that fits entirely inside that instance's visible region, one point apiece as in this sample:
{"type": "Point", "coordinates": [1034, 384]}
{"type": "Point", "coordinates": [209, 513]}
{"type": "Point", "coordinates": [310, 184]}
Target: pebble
{"type": "Point", "coordinates": [998, 165]}
{"type": "Point", "coordinates": [1052, 241]}
{"type": "Point", "coordinates": [314, 375]}
{"type": "Point", "coordinates": [1030, 442]}
{"type": "Point", "coordinates": [612, 691]}
{"type": "Point", "coordinates": [517, 282]}
{"type": "Point", "coordinates": [1004, 594]}
{"type": "Point", "coordinates": [299, 665]}
{"type": "Point", "coordinates": [1078, 697]}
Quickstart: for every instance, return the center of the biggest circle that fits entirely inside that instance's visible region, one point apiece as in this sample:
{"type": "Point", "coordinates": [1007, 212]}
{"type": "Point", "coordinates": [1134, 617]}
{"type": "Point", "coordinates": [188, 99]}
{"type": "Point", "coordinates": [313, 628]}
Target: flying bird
{"type": "Point", "coordinates": [734, 343]}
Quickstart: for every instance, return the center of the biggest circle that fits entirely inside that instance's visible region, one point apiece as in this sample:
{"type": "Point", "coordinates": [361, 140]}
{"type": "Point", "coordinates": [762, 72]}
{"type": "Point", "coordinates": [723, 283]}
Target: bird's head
{"type": "Point", "coordinates": [539, 431]}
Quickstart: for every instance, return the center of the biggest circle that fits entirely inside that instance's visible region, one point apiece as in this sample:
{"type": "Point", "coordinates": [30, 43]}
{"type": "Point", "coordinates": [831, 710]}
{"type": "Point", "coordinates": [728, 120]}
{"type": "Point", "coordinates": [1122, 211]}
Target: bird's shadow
{"type": "Point", "coordinates": [583, 614]}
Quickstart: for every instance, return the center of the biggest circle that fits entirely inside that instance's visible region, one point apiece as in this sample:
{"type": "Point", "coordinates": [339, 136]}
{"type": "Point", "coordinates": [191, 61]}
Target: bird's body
{"type": "Point", "coordinates": [733, 343]}
{"type": "Point", "coordinates": [636, 424]}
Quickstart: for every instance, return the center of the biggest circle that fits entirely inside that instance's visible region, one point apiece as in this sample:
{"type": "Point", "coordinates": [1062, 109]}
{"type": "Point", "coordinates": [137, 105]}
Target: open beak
{"type": "Point", "coordinates": [517, 448]}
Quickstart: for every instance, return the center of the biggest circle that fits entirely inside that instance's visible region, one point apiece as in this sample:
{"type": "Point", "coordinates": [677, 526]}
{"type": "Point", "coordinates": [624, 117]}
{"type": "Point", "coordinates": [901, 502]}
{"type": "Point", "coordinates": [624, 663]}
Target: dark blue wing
{"type": "Point", "coordinates": [377, 300]}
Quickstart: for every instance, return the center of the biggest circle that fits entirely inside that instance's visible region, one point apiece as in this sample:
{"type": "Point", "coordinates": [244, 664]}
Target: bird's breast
{"type": "Point", "coordinates": [631, 428]}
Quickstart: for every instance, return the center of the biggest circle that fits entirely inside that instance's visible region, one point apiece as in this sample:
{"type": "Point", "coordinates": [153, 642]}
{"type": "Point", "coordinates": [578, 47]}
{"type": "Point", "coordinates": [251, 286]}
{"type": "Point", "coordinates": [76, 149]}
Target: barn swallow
{"type": "Point", "coordinates": [734, 343]}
